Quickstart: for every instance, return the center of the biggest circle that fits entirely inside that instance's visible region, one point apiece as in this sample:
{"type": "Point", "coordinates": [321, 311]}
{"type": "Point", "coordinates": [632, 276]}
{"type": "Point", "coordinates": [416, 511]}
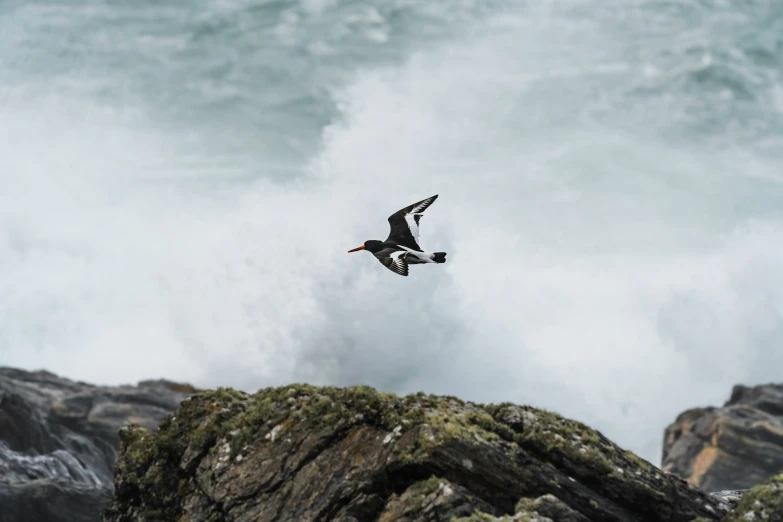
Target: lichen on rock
{"type": "Point", "coordinates": [547, 508]}
{"type": "Point", "coordinates": [303, 453]}
{"type": "Point", "coordinates": [762, 503]}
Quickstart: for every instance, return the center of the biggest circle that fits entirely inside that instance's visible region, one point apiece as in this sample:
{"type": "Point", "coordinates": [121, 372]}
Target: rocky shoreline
{"type": "Point", "coordinates": [59, 439]}
{"type": "Point", "coordinates": [735, 446]}
{"type": "Point", "coordinates": [305, 453]}
{"type": "Point", "coordinates": [163, 451]}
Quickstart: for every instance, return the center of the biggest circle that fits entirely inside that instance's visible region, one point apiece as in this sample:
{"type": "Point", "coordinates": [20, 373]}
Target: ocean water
{"type": "Point", "coordinates": [180, 182]}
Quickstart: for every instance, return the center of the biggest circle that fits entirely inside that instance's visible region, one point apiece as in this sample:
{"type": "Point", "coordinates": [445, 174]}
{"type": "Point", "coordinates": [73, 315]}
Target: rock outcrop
{"type": "Point", "coordinates": [59, 438]}
{"type": "Point", "coordinates": [733, 447]}
{"type": "Point", "coordinates": [302, 453]}
{"type": "Point", "coordinates": [763, 503]}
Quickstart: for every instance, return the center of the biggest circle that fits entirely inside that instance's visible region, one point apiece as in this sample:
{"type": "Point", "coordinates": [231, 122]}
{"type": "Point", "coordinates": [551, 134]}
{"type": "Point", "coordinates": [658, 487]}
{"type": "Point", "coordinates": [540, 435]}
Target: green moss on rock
{"type": "Point", "coordinates": [545, 431]}
{"type": "Point", "coordinates": [520, 516]}
{"type": "Point", "coordinates": [425, 487]}
{"type": "Point", "coordinates": [156, 472]}
{"type": "Point", "coordinates": [136, 446]}
{"type": "Point", "coordinates": [151, 468]}
{"type": "Point", "coordinates": [762, 503]}
{"type": "Point", "coordinates": [480, 517]}
{"type": "Point", "coordinates": [422, 489]}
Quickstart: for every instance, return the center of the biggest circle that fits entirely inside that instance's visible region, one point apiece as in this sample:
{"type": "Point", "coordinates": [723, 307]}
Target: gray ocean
{"type": "Point", "coordinates": [180, 182]}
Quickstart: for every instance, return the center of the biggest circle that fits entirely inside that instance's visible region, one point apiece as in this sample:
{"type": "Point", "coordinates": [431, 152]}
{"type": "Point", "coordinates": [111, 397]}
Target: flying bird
{"type": "Point", "coordinates": [401, 248]}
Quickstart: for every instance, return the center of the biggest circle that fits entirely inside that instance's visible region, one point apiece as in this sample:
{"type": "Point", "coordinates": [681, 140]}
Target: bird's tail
{"type": "Point", "coordinates": [439, 257]}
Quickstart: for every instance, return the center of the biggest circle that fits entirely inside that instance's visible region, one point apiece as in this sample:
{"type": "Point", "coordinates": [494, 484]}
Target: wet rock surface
{"type": "Point", "coordinates": [733, 447]}
{"type": "Point", "coordinates": [729, 497]}
{"type": "Point", "coordinates": [303, 453]}
{"type": "Point", "coordinates": [59, 438]}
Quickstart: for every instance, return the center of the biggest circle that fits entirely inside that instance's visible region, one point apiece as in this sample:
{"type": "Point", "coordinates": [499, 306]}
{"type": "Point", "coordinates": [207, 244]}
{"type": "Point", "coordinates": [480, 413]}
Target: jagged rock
{"type": "Point", "coordinates": [58, 441]}
{"type": "Point", "coordinates": [304, 453]}
{"type": "Point", "coordinates": [730, 497]}
{"type": "Point", "coordinates": [547, 508]}
{"type": "Point", "coordinates": [733, 447]}
{"type": "Point", "coordinates": [763, 503]}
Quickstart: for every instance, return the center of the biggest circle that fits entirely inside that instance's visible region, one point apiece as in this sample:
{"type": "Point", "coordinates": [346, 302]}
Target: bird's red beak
{"type": "Point", "coordinates": [357, 248]}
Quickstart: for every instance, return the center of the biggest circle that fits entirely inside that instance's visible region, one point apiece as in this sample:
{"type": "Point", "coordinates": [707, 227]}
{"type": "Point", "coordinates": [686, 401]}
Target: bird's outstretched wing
{"type": "Point", "coordinates": [404, 224]}
{"type": "Point", "coordinates": [394, 260]}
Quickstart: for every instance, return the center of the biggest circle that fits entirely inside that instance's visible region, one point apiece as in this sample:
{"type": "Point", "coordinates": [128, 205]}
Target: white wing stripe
{"type": "Point", "coordinates": [414, 228]}
{"type": "Point", "coordinates": [420, 208]}
{"type": "Point", "coordinates": [399, 265]}
{"type": "Point", "coordinates": [410, 218]}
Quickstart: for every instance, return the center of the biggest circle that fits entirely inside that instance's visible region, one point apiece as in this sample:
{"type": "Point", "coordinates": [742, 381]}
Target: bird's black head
{"type": "Point", "coordinates": [370, 245]}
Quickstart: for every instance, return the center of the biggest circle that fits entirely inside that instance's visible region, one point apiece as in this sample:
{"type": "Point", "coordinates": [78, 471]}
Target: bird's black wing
{"type": "Point", "coordinates": [394, 260]}
{"type": "Point", "coordinates": [404, 224]}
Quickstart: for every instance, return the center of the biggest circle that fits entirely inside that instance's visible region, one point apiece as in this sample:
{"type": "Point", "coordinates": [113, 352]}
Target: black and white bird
{"type": "Point", "coordinates": [402, 248]}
